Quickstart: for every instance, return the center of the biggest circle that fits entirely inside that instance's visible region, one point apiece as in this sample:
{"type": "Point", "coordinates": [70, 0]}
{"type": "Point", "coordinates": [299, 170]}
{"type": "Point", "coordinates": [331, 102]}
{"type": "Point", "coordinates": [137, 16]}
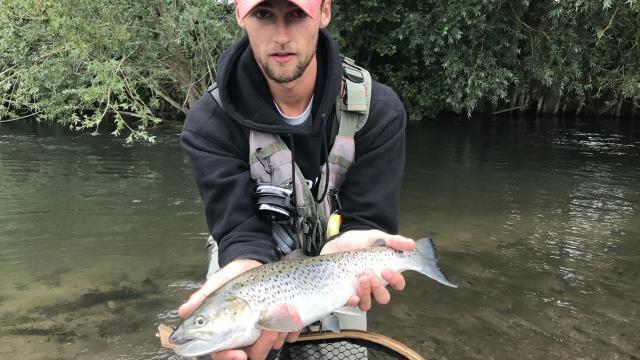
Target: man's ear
{"type": "Point", "coordinates": [325, 14]}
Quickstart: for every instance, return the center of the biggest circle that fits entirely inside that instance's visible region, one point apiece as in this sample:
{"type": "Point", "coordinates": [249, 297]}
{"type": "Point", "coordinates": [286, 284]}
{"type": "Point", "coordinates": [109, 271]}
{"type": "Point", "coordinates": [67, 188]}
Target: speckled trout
{"type": "Point", "coordinates": [316, 287]}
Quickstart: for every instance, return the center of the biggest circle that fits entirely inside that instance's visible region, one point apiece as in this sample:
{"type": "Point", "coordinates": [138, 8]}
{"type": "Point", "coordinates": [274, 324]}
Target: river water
{"type": "Point", "coordinates": [538, 221]}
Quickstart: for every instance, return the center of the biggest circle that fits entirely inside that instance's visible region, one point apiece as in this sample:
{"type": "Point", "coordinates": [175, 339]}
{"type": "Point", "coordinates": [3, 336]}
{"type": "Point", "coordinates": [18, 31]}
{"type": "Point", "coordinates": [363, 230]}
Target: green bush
{"type": "Point", "coordinates": [81, 63]}
{"type": "Point", "coordinates": [451, 55]}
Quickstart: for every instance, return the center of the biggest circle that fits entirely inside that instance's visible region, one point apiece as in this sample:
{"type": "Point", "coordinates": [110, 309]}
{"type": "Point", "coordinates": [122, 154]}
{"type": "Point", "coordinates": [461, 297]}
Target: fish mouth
{"type": "Point", "coordinates": [177, 340]}
{"type": "Point", "coordinates": [194, 348]}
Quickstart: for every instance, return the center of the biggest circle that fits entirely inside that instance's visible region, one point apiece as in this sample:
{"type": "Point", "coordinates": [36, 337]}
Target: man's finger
{"type": "Point", "coordinates": [194, 301]}
{"type": "Point", "coordinates": [296, 317]}
{"type": "Point", "coordinates": [260, 349]}
{"type": "Point", "coordinates": [229, 355]}
{"type": "Point", "coordinates": [292, 337]}
{"type": "Point", "coordinates": [364, 293]}
{"type": "Point", "coordinates": [394, 278]}
{"type": "Point", "coordinates": [280, 341]}
{"type": "Point", "coordinates": [379, 291]}
{"type": "Point", "coordinates": [400, 243]}
{"type": "Point", "coordinates": [353, 300]}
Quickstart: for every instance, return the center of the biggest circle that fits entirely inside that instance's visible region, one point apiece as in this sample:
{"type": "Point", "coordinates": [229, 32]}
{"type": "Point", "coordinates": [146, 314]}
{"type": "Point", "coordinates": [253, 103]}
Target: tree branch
{"type": "Point", "coordinates": [610, 21]}
{"type": "Point", "coordinates": [174, 103]}
{"type": "Point", "coordinates": [20, 118]}
{"type": "Point", "coordinates": [126, 113]}
{"type": "Point", "coordinates": [527, 25]}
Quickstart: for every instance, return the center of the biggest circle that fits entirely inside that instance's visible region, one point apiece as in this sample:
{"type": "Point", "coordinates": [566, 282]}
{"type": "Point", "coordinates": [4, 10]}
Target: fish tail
{"type": "Point", "coordinates": [428, 262]}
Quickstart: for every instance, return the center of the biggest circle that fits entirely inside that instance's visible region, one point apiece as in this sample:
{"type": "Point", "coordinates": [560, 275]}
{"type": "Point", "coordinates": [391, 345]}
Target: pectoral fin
{"type": "Point", "coordinates": [281, 318]}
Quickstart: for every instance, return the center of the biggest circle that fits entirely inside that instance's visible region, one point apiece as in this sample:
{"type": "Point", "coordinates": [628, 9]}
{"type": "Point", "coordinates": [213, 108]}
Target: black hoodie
{"type": "Point", "coordinates": [216, 140]}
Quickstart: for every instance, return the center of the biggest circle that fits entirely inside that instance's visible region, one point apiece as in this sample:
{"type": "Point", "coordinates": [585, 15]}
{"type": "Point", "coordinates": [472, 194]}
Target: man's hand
{"type": "Point", "coordinates": [220, 278]}
{"type": "Point", "coordinates": [369, 283]}
{"type": "Point", "coordinates": [268, 339]}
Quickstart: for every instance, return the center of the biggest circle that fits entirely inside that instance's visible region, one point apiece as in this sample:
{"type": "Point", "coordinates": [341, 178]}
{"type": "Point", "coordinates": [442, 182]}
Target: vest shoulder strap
{"type": "Point", "coordinates": [352, 112]}
{"type": "Point", "coordinates": [354, 99]}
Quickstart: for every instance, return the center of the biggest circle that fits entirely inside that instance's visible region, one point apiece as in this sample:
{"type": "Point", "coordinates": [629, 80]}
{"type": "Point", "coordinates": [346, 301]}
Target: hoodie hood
{"type": "Point", "coordinates": [246, 97]}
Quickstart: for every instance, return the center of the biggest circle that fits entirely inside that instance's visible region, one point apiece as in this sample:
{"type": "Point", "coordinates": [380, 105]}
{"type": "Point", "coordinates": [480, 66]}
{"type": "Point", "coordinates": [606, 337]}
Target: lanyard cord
{"type": "Point", "coordinates": [293, 182]}
{"type": "Point", "coordinates": [326, 178]}
{"type": "Point", "coordinates": [293, 170]}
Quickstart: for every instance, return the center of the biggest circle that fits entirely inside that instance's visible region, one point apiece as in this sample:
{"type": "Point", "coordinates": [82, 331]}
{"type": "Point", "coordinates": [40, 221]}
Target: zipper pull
{"type": "Point", "coordinates": [266, 165]}
{"type": "Point", "coordinates": [335, 200]}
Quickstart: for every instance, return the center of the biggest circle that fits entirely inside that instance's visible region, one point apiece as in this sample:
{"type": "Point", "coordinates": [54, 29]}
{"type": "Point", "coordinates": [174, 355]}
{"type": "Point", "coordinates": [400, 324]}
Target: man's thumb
{"type": "Point", "coordinates": [188, 307]}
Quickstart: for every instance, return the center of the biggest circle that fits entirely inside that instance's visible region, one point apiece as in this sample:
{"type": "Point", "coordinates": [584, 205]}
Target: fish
{"type": "Point", "coordinates": [317, 287]}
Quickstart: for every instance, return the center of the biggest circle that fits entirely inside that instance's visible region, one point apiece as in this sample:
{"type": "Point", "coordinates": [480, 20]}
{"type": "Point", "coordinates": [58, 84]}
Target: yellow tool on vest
{"type": "Point", "coordinates": [333, 225]}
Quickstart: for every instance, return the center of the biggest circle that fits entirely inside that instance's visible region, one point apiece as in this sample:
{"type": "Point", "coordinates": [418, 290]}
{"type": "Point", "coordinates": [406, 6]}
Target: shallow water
{"type": "Point", "coordinates": [538, 221]}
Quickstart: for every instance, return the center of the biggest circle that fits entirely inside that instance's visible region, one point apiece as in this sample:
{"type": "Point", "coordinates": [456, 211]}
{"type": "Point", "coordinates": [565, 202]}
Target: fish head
{"type": "Point", "coordinates": [220, 323]}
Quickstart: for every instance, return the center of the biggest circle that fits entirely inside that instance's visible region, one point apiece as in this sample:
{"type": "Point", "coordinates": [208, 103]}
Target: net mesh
{"type": "Point", "coordinates": [338, 350]}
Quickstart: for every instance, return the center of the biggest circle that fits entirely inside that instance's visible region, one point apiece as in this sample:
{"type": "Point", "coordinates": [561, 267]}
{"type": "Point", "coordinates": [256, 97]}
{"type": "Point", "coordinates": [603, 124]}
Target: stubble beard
{"type": "Point", "coordinates": [285, 78]}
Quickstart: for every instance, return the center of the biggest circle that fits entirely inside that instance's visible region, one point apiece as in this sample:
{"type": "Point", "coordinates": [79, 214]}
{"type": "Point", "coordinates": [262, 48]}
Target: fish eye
{"type": "Point", "coordinates": [200, 320]}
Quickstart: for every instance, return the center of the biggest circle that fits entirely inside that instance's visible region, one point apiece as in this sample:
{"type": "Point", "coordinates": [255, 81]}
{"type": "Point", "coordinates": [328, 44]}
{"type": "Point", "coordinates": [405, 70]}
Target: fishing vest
{"type": "Point", "coordinates": [270, 161]}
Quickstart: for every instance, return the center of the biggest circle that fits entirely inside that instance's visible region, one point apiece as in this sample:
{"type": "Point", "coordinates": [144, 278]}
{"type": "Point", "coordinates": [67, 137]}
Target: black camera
{"type": "Point", "coordinates": [274, 203]}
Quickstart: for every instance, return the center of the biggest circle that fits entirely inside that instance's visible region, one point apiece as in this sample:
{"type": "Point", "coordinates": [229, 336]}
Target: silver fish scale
{"type": "Point", "coordinates": [292, 281]}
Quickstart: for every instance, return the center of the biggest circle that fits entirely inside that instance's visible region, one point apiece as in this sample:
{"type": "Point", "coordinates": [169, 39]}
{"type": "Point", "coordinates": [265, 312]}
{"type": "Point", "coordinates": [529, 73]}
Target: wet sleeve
{"type": "Point", "coordinates": [220, 168]}
{"type": "Point", "coordinates": [370, 194]}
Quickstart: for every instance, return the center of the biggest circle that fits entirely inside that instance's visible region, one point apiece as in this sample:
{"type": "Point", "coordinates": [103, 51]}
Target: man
{"type": "Point", "coordinates": [282, 79]}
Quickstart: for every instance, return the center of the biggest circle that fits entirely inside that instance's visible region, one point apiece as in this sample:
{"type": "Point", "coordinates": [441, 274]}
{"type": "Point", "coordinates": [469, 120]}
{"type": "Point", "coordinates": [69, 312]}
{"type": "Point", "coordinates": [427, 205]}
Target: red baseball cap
{"type": "Point", "coordinates": [311, 7]}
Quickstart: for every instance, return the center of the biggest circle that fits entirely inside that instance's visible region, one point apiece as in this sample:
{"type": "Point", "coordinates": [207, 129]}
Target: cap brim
{"type": "Point", "coordinates": [310, 7]}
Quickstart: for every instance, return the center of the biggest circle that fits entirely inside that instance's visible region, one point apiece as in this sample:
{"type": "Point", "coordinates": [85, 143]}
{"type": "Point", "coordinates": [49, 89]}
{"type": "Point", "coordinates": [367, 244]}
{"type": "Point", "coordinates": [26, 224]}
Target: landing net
{"type": "Point", "coordinates": [347, 345]}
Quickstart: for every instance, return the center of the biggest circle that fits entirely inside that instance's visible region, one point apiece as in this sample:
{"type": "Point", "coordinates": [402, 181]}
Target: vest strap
{"type": "Point", "coordinates": [337, 159]}
{"type": "Point", "coordinates": [356, 99]}
{"type": "Point", "coordinates": [265, 152]}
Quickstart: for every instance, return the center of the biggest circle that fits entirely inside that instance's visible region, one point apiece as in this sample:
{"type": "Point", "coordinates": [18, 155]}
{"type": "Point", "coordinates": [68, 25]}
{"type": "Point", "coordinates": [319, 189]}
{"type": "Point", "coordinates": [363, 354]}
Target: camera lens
{"type": "Point", "coordinates": [274, 202]}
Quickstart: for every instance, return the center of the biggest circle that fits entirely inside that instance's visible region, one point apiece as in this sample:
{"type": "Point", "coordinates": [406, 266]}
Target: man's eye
{"type": "Point", "coordinates": [262, 14]}
{"type": "Point", "coordinates": [298, 14]}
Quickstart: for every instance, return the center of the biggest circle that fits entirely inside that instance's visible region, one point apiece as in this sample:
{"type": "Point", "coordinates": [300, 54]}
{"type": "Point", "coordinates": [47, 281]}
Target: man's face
{"type": "Point", "coordinates": [283, 37]}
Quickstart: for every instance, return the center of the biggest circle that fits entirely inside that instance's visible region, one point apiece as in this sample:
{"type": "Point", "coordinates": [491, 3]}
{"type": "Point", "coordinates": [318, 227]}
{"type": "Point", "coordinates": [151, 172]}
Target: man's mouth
{"type": "Point", "coordinates": [283, 57]}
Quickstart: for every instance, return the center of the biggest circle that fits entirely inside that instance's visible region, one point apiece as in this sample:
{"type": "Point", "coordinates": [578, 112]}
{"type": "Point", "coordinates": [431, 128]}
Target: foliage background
{"type": "Point", "coordinates": [124, 66]}
{"type": "Point", "coordinates": [465, 55]}
{"type": "Point", "coordinates": [81, 62]}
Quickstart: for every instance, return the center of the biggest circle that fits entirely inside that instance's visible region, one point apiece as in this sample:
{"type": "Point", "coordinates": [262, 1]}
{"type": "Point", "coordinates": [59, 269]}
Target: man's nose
{"type": "Point", "coordinates": [282, 32]}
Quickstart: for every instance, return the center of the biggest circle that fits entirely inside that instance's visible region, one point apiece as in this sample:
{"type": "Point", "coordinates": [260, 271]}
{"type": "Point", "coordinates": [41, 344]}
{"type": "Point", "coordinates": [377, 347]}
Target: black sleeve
{"type": "Point", "coordinates": [370, 194]}
{"type": "Point", "coordinates": [218, 151]}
